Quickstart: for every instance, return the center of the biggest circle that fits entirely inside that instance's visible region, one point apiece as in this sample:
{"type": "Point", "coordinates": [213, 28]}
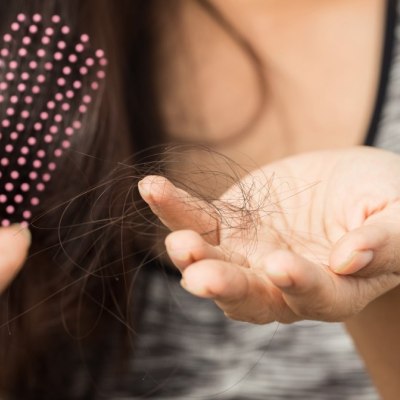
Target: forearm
{"type": "Point", "coordinates": [376, 333]}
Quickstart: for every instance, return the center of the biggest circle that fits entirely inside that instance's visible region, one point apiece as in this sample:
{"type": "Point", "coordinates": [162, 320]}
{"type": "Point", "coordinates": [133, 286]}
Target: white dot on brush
{"type": "Point", "coordinates": [41, 153]}
{"type": "Point", "coordinates": [10, 76]}
{"type": "Point", "coordinates": [18, 199]}
{"type": "Point", "coordinates": [65, 30]}
{"type": "Point", "coordinates": [4, 162]}
{"type": "Point", "coordinates": [28, 99]}
{"type": "Point", "coordinates": [59, 96]}
{"type": "Point", "coordinates": [89, 62]}
{"type": "Point", "coordinates": [48, 139]}
{"type": "Point", "coordinates": [15, 26]}
{"type": "Point", "coordinates": [33, 65]}
{"type": "Point", "coordinates": [1, 98]}
{"type": "Point", "coordinates": [40, 187]}
{"type": "Point", "coordinates": [48, 66]}
{"type": "Point", "coordinates": [83, 71]}
{"type": "Point", "coordinates": [25, 187]}
{"type": "Point", "coordinates": [32, 141]}
{"type": "Point", "coordinates": [77, 85]}
{"type": "Point", "coordinates": [13, 64]}
{"type": "Point", "coordinates": [49, 31]}
{"type": "Point", "coordinates": [41, 53]}
{"type": "Point", "coordinates": [77, 125]}
{"type": "Point", "coordinates": [85, 38]}
{"type": "Point", "coordinates": [26, 41]}
{"type": "Point", "coordinates": [14, 174]}
{"type": "Point", "coordinates": [27, 214]}
{"type": "Point", "coordinates": [103, 62]}
{"type": "Point", "coordinates": [69, 131]}
{"type": "Point", "coordinates": [73, 58]}
{"type": "Point", "coordinates": [61, 45]}
{"type": "Point", "coordinates": [46, 177]}
{"type": "Point", "coordinates": [37, 18]}
{"type": "Point", "coordinates": [22, 52]}
{"type": "Point", "coordinates": [9, 148]}
{"type": "Point", "coordinates": [51, 105]}
{"type": "Point", "coordinates": [7, 38]}
{"type": "Point", "coordinates": [5, 223]}
{"type": "Point", "coordinates": [41, 78]}
{"type": "Point", "coordinates": [10, 112]}
{"type": "Point", "coordinates": [14, 136]}
{"type": "Point", "coordinates": [33, 175]}
{"type": "Point", "coordinates": [70, 94]}
{"type": "Point", "coordinates": [99, 53]}
{"type": "Point", "coordinates": [101, 74]}
{"type": "Point", "coordinates": [36, 90]}
{"type": "Point", "coordinates": [66, 107]}
{"type": "Point", "coordinates": [4, 52]}
{"type": "Point", "coordinates": [56, 19]}
{"type": "Point", "coordinates": [21, 17]}
{"type": "Point", "coordinates": [44, 116]}
{"type": "Point", "coordinates": [38, 126]}
{"type": "Point", "coordinates": [25, 114]}
{"type": "Point", "coordinates": [87, 99]}
{"type": "Point", "coordinates": [24, 150]}
{"type": "Point", "coordinates": [79, 48]}
{"type": "Point", "coordinates": [3, 85]}
{"type": "Point", "coordinates": [14, 99]}
{"type": "Point", "coordinates": [65, 144]}
{"type": "Point", "coordinates": [3, 198]}
{"type": "Point", "coordinates": [9, 187]}
{"type": "Point", "coordinates": [25, 76]}
{"type": "Point", "coordinates": [58, 56]}
{"type": "Point", "coordinates": [83, 109]}
{"type": "Point", "coordinates": [21, 161]}
{"type": "Point", "coordinates": [37, 164]}
{"type": "Point", "coordinates": [33, 29]}
{"type": "Point", "coordinates": [10, 210]}
{"type": "Point", "coordinates": [67, 70]}
{"type": "Point", "coordinates": [61, 82]}
{"type": "Point", "coordinates": [52, 166]}
{"type": "Point", "coordinates": [35, 201]}
{"type": "Point", "coordinates": [58, 153]}
{"type": "Point", "coordinates": [46, 40]}
{"type": "Point", "coordinates": [6, 123]}
{"type": "Point", "coordinates": [21, 87]}
{"type": "Point", "coordinates": [20, 127]}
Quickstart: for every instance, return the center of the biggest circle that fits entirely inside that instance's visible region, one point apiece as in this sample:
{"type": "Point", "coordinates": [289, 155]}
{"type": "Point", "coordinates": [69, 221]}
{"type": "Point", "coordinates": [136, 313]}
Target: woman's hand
{"type": "Point", "coordinates": [14, 245]}
{"type": "Point", "coordinates": [315, 236]}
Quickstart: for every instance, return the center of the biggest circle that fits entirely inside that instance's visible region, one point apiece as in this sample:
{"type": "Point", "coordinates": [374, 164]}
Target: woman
{"type": "Point", "coordinates": [264, 80]}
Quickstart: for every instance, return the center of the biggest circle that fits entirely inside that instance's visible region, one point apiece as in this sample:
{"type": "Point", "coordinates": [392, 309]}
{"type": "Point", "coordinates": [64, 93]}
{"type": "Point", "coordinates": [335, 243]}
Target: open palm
{"type": "Point", "coordinates": [313, 236]}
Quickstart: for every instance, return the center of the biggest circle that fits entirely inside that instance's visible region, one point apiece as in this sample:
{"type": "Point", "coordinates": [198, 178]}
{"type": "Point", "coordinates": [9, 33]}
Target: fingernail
{"type": "Point", "coordinates": [143, 189]}
{"type": "Point", "coordinates": [23, 231]}
{"type": "Point", "coordinates": [357, 261]}
{"type": "Point", "coordinates": [278, 276]}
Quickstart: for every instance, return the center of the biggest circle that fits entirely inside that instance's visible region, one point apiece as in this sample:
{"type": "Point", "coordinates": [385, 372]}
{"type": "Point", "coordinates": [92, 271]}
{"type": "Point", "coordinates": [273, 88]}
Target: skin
{"type": "Point", "coordinates": [14, 245]}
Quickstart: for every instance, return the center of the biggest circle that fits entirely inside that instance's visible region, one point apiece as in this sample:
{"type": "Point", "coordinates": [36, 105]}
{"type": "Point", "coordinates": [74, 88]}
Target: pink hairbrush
{"type": "Point", "coordinates": [49, 78]}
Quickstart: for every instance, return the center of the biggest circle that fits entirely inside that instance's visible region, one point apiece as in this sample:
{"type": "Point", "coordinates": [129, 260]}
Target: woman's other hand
{"type": "Point", "coordinates": [14, 245]}
{"type": "Point", "coordinates": [314, 236]}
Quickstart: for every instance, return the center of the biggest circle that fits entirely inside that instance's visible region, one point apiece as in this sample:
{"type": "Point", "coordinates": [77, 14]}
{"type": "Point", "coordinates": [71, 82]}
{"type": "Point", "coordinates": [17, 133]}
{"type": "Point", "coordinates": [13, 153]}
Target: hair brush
{"type": "Point", "coordinates": [50, 76]}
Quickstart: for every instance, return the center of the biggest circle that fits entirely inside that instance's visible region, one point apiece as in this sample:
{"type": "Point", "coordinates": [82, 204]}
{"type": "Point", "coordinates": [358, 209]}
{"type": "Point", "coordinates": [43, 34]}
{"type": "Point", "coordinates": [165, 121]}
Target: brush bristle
{"type": "Point", "coordinates": [49, 79]}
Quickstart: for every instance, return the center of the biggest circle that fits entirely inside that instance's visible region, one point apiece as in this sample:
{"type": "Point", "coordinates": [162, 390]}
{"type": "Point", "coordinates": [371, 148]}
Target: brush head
{"type": "Point", "coordinates": [50, 79]}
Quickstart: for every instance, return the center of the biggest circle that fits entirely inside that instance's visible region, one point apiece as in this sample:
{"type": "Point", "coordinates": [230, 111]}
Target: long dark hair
{"type": "Point", "coordinates": [80, 288]}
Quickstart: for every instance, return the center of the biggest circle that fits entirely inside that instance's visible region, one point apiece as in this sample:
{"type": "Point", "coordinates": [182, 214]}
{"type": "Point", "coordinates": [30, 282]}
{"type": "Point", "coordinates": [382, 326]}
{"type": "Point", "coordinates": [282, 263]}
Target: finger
{"type": "Point", "coordinates": [313, 291]}
{"type": "Point", "coordinates": [241, 293]}
{"type": "Point", "coordinates": [179, 210]}
{"type": "Point", "coordinates": [14, 244]}
{"type": "Point", "coordinates": [186, 247]}
{"type": "Point", "coordinates": [375, 246]}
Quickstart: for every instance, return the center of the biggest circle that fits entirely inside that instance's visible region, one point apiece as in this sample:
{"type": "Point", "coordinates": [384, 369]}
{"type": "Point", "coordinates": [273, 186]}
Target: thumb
{"type": "Point", "coordinates": [375, 245]}
{"type": "Point", "coordinates": [14, 245]}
